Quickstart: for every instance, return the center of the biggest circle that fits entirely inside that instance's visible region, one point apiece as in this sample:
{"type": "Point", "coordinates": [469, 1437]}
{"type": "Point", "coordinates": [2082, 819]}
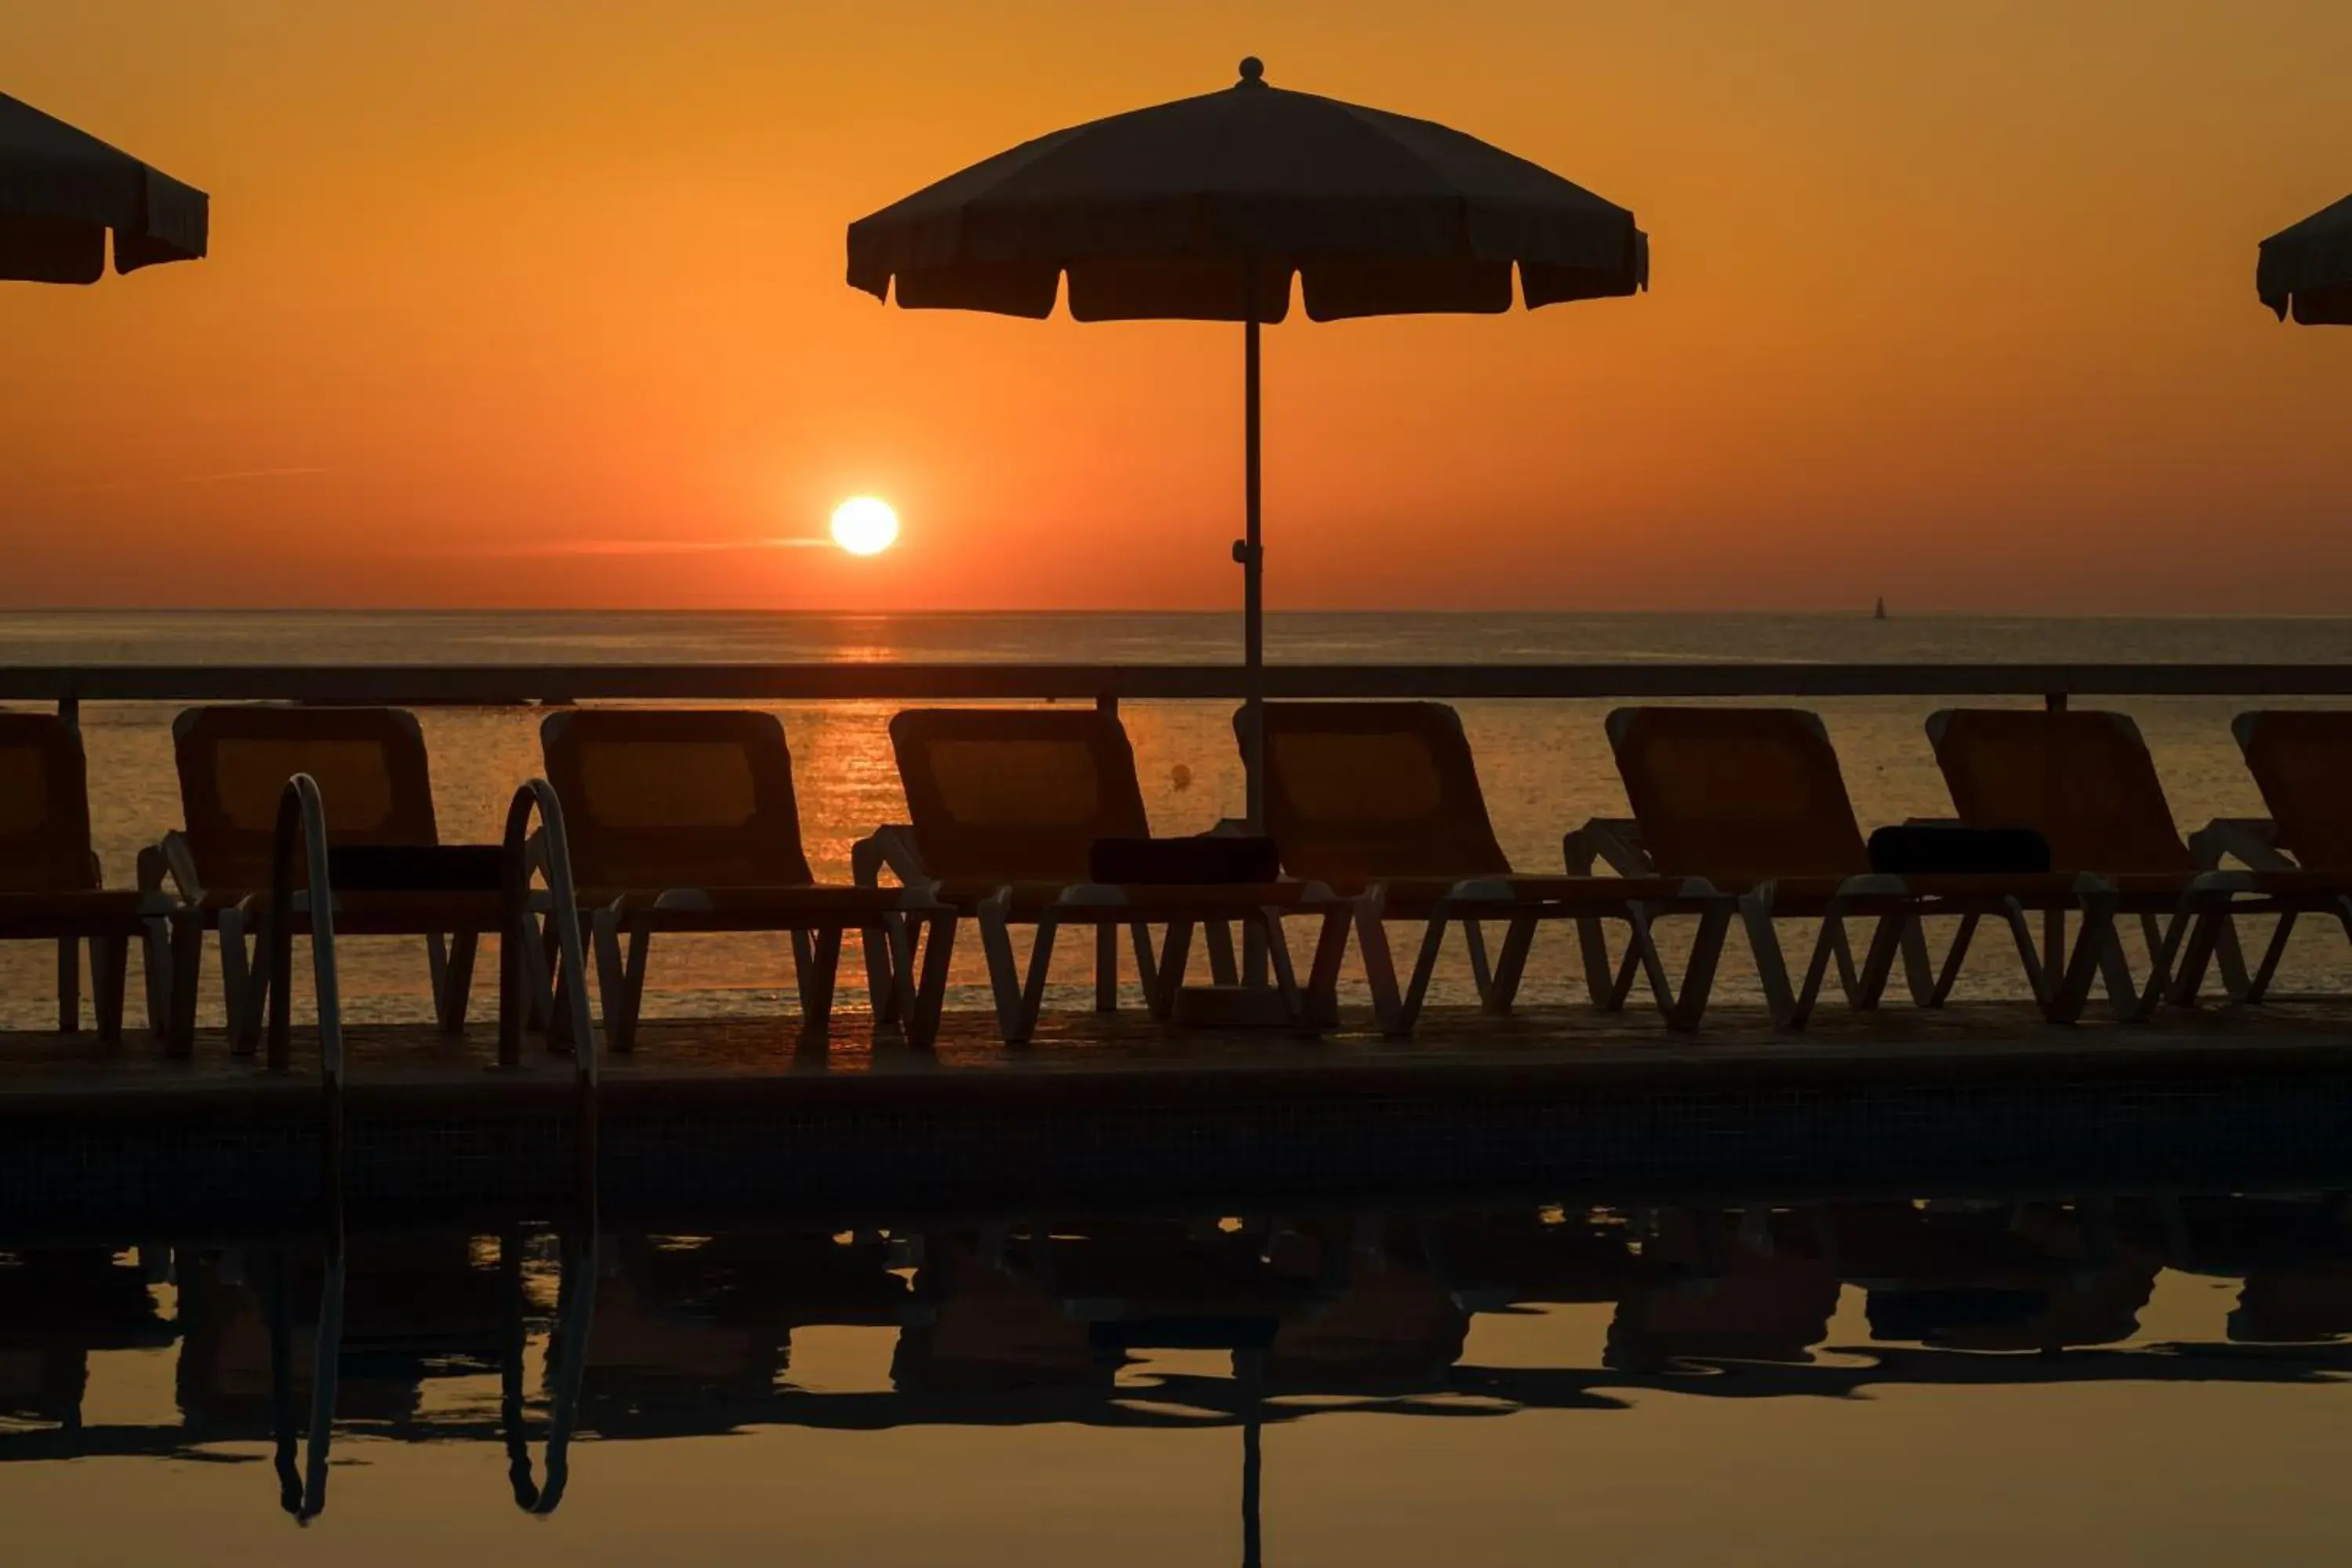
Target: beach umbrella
{"type": "Point", "coordinates": [2307, 269]}
{"type": "Point", "coordinates": [1206, 208]}
{"type": "Point", "coordinates": [61, 189]}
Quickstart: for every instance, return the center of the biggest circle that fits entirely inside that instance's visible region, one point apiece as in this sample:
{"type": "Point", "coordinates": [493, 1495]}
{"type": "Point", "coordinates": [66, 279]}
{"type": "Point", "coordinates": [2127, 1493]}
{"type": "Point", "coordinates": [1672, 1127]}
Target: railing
{"type": "Point", "coordinates": [498, 686]}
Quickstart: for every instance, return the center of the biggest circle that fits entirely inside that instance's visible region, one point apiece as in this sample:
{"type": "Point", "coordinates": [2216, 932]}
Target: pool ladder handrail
{"type": "Point", "coordinates": [301, 819]}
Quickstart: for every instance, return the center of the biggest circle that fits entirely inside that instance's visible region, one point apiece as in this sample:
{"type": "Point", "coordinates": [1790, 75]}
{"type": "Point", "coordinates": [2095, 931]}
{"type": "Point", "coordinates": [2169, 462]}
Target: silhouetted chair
{"type": "Point", "coordinates": [1381, 801]}
{"type": "Point", "coordinates": [1006, 808]}
{"type": "Point", "coordinates": [1753, 800]}
{"type": "Point", "coordinates": [374, 781]}
{"type": "Point", "coordinates": [51, 888]}
{"type": "Point", "coordinates": [2084, 779]}
{"type": "Point", "coordinates": [685, 820]}
{"type": "Point", "coordinates": [2301, 760]}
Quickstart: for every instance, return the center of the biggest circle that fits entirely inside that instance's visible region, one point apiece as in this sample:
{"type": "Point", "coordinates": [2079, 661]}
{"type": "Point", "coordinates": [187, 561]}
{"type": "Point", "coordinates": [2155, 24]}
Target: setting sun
{"type": "Point", "coordinates": [865, 525]}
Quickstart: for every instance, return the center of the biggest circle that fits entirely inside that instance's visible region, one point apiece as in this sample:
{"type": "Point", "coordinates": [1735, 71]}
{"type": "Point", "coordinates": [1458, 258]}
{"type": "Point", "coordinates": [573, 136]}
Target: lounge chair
{"type": "Point", "coordinates": [1381, 801]}
{"type": "Point", "coordinates": [370, 764]}
{"type": "Point", "coordinates": [50, 883]}
{"type": "Point", "coordinates": [2085, 781]}
{"type": "Point", "coordinates": [2301, 760]}
{"type": "Point", "coordinates": [1753, 800]}
{"type": "Point", "coordinates": [1006, 806]}
{"type": "Point", "coordinates": [685, 820]}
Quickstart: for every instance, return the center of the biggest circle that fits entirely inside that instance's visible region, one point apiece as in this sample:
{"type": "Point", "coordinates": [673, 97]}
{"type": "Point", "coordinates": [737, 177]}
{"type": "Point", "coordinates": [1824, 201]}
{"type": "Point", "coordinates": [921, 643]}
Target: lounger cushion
{"type": "Point", "coordinates": [1202, 859]}
{"type": "Point", "coordinates": [1939, 848]}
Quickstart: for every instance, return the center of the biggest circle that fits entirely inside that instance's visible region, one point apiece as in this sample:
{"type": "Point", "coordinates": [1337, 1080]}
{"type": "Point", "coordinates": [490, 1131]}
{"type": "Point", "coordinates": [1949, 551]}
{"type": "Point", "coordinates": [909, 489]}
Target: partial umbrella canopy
{"type": "Point", "coordinates": [2306, 270]}
{"type": "Point", "coordinates": [61, 189]}
{"type": "Point", "coordinates": [1209, 207]}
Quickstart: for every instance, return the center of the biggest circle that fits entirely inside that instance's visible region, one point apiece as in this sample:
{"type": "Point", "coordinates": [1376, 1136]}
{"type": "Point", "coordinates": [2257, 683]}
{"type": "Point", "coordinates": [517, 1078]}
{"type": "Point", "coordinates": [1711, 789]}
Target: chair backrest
{"type": "Point", "coordinates": [2080, 777]}
{"type": "Point", "coordinates": [1020, 794]}
{"type": "Point", "coordinates": [1357, 792]}
{"type": "Point", "coordinates": [44, 806]}
{"type": "Point", "coordinates": [2302, 762]}
{"type": "Point", "coordinates": [1738, 795]}
{"type": "Point", "coordinates": [234, 761]}
{"type": "Point", "coordinates": [676, 797]}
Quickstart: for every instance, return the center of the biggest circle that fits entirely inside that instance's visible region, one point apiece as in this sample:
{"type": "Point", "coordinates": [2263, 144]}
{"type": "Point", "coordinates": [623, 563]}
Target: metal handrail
{"type": "Point", "coordinates": [302, 815]}
{"type": "Point", "coordinates": [550, 853]}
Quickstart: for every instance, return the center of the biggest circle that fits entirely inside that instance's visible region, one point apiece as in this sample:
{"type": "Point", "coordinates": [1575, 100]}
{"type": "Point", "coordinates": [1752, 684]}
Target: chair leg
{"type": "Point", "coordinates": [109, 968]}
{"type": "Point", "coordinates": [818, 978]}
{"type": "Point", "coordinates": [614, 976]}
{"type": "Point", "coordinates": [1940, 989]}
{"type": "Point", "coordinates": [994, 919]}
{"type": "Point", "coordinates": [2259, 986]}
{"type": "Point", "coordinates": [1322, 999]}
{"type": "Point", "coordinates": [1511, 965]}
{"type": "Point", "coordinates": [1878, 963]}
{"type": "Point", "coordinates": [1771, 964]}
{"type": "Point", "coordinates": [1918, 972]}
{"type": "Point", "coordinates": [886, 975]}
{"type": "Point", "coordinates": [155, 969]}
{"type": "Point", "coordinates": [1482, 968]}
{"type": "Point", "coordinates": [937, 947]}
{"type": "Point", "coordinates": [436, 976]}
{"type": "Point", "coordinates": [1689, 1005]}
{"type": "Point", "coordinates": [1223, 969]}
{"type": "Point", "coordinates": [1106, 969]}
{"type": "Point", "coordinates": [1147, 968]}
{"type": "Point", "coordinates": [1175, 958]}
{"type": "Point", "coordinates": [1592, 944]}
{"type": "Point", "coordinates": [237, 974]}
{"type": "Point", "coordinates": [454, 985]}
{"type": "Point", "coordinates": [69, 985]}
{"type": "Point", "coordinates": [187, 970]}
{"type": "Point", "coordinates": [2070, 989]}
{"type": "Point", "coordinates": [1424, 966]}
{"type": "Point", "coordinates": [2230, 957]}
{"type": "Point", "coordinates": [1277, 952]}
{"type": "Point", "coordinates": [1379, 966]}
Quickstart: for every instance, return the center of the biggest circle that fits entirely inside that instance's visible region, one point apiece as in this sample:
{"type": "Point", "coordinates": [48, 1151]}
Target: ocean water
{"type": "Point", "coordinates": [2130, 1380]}
{"type": "Point", "coordinates": [1545, 765]}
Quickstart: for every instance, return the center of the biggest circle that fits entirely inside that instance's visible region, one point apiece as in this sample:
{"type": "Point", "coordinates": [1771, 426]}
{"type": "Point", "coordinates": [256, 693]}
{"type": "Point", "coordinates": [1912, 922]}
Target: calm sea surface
{"type": "Point", "coordinates": [1545, 765]}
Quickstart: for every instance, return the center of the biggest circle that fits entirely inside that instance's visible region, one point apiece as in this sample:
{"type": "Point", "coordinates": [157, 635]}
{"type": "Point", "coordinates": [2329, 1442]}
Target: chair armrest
{"type": "Point", "coordinates": [1230, 827]}
{"type": "Point", "coordinates": [181, 862]}
{"type": "Point", "coordinates": [2252, 841]}
{"type": "Point", "coordinates": [1614, 841]}
{"type": "Point", "coordinates": [889, 847]}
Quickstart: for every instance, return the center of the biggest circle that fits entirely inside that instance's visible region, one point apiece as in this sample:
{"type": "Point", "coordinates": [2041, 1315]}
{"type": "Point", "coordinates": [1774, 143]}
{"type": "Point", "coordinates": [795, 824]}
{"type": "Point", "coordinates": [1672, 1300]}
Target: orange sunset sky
{"type": "Point", "coordinates": [521, 303]}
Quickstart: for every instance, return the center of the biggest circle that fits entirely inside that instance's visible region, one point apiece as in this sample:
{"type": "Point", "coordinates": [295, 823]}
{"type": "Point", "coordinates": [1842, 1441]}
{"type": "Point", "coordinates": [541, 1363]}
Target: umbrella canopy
{"type": "Point", "coordinates": [61, 189]}
{"type": "Point", "coordinates": [2307, 269]}
{"type": "Point", "coordinates": [1207, 208]}
{"type": "Point", "coordinates": [1203, 208]}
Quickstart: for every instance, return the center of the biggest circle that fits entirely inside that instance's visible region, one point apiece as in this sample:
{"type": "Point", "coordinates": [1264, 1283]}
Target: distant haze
{"type": "Point", "coordinates": [542, 304]}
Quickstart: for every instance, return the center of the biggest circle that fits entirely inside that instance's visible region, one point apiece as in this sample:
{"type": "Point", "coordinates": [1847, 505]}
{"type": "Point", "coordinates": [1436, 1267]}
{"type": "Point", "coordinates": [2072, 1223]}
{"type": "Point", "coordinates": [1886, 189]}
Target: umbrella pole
{"type": "Point", "coordinates": [1253, 559]}
{"type": "Point", "coordinates": [1252, 552]}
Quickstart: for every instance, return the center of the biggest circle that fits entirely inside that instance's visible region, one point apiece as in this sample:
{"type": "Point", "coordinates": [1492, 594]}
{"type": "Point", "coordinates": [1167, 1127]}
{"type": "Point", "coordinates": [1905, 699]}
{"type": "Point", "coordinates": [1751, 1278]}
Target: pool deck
{"type": "Point", "coordinates": [1102, 1058]}
{"type": "Point", "coordinates": [735, 1113]}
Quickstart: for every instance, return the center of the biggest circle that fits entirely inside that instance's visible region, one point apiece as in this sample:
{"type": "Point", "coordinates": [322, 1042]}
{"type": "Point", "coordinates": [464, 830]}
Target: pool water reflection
{"type": "Point", "coordinates": [2097, 1379]}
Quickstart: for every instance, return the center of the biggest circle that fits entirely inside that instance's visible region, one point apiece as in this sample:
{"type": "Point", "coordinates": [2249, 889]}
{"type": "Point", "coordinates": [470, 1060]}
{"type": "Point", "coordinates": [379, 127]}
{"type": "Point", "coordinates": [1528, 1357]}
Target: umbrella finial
{"type": "Point", "coordinates": [1252, 72]}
